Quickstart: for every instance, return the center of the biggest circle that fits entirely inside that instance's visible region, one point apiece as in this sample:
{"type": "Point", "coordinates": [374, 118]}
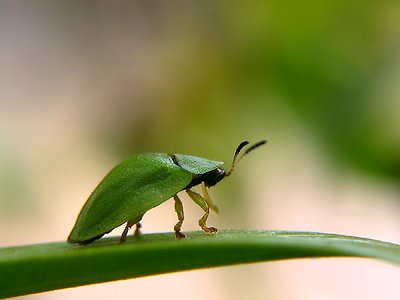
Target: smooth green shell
{"type": "Point", "coordinates": [135, 186]}
{"type": "Point", "coordinates": [196, 165]}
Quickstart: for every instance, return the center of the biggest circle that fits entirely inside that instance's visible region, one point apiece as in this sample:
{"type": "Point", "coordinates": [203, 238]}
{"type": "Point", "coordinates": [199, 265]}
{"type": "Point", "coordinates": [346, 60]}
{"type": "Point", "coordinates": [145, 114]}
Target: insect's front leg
{"type": "Point", "coordinates": [203, 204]}
{"type": "Point", "coordinates": [207, 198]}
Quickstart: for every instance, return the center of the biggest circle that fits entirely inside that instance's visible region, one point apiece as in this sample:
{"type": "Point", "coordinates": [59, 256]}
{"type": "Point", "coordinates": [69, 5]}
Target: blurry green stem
{"type": "Point", "coordinates": [45, 267]}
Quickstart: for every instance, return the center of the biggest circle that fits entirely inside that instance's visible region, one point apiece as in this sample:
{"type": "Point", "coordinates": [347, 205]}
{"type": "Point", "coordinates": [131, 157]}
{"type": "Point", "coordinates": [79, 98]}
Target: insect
{"type": "Point", "coordinates": [143, 182]}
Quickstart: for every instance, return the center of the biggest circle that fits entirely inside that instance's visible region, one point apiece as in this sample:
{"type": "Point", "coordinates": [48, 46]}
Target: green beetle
{"type": "Point", "coordinates": [143, 182]}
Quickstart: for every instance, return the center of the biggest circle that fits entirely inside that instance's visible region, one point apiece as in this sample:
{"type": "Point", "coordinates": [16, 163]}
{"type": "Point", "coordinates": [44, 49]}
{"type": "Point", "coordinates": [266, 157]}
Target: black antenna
{"type": "Point", "coordinates": [236, 160]}
{"type": "Point", "coordinates": [238, 149]}
{"type": "Point", "coordinates": [256, 145]}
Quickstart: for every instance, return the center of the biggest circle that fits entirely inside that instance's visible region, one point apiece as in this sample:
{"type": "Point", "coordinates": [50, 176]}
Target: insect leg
{"type": "Point", "coordinates": [128, 226]}
{"type": "Point", "coordinates": [203, 204]}
{"type": "Point", "coordinates": [206, 197]}
{"type": "Point", "coordinates": [137, 230]}
{"type": "Point", "coordinates": [179, 212]}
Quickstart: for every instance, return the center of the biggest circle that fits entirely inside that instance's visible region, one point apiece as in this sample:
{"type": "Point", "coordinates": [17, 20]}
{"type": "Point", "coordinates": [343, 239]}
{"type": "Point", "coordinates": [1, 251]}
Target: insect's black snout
{"type": "Point", "coordinates": [213, 177]}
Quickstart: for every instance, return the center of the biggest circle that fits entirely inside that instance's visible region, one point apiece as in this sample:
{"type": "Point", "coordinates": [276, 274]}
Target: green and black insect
{"type": "Point", "coordinates": [143, 182]}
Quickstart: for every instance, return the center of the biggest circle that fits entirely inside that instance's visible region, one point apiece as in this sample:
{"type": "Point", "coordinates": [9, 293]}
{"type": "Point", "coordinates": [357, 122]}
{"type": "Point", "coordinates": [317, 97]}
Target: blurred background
{"type": "Point", "coordinates": [83, 85]}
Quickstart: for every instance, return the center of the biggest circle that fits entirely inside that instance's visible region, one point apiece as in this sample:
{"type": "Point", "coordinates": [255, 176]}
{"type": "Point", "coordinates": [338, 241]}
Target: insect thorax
{"type": "Point", "coordinates": [210, 178]}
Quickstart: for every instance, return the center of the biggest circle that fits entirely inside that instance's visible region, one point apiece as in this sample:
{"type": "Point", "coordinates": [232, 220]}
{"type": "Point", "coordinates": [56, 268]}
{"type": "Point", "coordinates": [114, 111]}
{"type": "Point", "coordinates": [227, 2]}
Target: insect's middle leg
{"type": "Point", "coordinates": [179, 212]}
{"type": "Point", "coordinates": [198, 199]}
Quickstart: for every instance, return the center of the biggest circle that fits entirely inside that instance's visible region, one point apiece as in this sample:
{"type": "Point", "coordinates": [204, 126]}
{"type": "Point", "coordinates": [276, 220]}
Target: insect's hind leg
{"type": "Point", "coordinates": [128, 226]}
{"type": "Point", "coordinates": [199, 200]}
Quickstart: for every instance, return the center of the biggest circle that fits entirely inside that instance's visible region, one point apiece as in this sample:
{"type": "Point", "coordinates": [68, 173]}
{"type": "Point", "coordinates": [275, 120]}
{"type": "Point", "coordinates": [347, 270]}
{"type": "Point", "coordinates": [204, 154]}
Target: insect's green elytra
{"type": "Point", "coordinates": [143, 182]}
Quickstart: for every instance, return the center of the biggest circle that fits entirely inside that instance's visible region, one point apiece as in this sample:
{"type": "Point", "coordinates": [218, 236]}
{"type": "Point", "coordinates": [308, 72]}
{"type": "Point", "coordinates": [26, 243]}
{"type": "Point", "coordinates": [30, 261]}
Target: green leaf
{"type": "Point", "coordinates": [45, 267]}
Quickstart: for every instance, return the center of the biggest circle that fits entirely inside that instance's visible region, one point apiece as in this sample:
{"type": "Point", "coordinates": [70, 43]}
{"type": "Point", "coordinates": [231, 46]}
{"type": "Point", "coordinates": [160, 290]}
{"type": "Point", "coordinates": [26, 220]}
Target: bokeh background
{"type": "Point", "coordinates": [85, 84]}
